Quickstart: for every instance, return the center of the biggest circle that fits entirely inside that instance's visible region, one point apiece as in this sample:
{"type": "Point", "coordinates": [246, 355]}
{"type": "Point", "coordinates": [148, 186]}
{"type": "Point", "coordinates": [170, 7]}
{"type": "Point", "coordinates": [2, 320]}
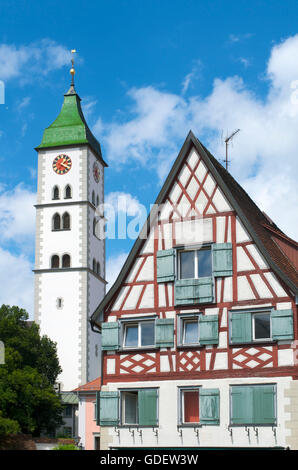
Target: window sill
{"type": "Point", "coordinates": [141, 348]}
{"type": "Point", "coordinates": [60, 229]}
{"type": "Point", "coordinates": [137, 426]}
{"type": "Point", "coordinates": [262, 342]}
{"type": "Point", "coordinates": [190, 346]}
{"type": "Point", "coordinates": [189, 425]}
{"type": "Point", "coordinates": [252, 425]}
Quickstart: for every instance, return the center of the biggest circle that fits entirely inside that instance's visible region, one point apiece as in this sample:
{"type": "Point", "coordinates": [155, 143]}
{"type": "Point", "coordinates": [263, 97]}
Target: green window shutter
{"type": "Point", "coordinates": [209, 406]}
{"type": "Point", "coordinates": [204, 290]}
{"type": "Point", "coordinates": [185, 291]}
{"type": "Point", "coordinates": [97, 408]}
{"type": "Point", "coordinates": [147, 403]}
{"type": "Point", "coordinates": [109, 408]}
{"type": "Point", "coordinates": [282, 324]}
{"type": "Point", "coordinates": [241, 405]}
{"type": "Point", "coordinates": [193, 291]}
{"type": "Point", "coordinates": [264, 405]}
{"type": "Point", "coordinates": [253, 405]}
{"type": "Point", "coordinates": [208, 329]}
{"type": "Point", "coordinates": [164, 333]}
{"type": "Point", "coordinates": [241, 327]}
{"type": "Point", "coordinates": [165, 265]}
{"type": "Point", "coordinates": [222, 259]}
{"type": "Point", "coordinates": [110, 336]}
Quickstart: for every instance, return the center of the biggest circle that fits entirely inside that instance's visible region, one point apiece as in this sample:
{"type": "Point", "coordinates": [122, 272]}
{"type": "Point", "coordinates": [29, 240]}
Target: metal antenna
{"type": "Point", "coordinates": [227, 140]}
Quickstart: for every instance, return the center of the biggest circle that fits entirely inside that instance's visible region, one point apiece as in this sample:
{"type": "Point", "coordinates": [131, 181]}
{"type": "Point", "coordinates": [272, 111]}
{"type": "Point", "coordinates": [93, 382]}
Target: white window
{"type": "Point", "coordinates": [193, 264]}
{"type": "Point", "coordinates": [139, 334]}
{"type": "Point", "coordinates": [190, 330]}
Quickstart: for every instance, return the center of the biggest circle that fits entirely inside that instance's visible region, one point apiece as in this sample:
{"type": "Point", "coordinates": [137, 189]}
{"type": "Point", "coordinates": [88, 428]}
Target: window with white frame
{"type": "Point", "coordinates": [139, 407]}
{"type": "Point", "coordinates": [129, 407]}
{"type": "Point", "coordinates": [189, 405]}
{"type": "Point", "coordinates": [193, 264]}
{"type": "Point", "coordinates": [138, 334]}
{"type": "Point", "coordinates": [188, 330]}
{"type": "Point", "coordinates": [261, 326]}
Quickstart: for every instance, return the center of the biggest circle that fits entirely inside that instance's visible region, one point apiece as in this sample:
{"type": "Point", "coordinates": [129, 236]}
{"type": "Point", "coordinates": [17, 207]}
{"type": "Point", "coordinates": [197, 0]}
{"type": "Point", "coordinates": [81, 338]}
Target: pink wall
{"type": "Point", "coordinates": [90, 422]}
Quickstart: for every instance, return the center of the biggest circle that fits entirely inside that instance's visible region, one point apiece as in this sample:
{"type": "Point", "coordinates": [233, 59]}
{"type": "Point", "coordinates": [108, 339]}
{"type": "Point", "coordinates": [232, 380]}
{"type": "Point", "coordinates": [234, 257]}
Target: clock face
{"type": "Point", "coordinates": [61, 164]}
{"type": "Point", "coordinates": [96, 173]}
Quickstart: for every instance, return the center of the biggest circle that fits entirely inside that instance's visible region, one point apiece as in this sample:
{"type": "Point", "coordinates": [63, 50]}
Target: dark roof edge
{"type": "Point", "coordinates": [190, 139]}
{"type": "Point", "coordinates": [53, 147]}
{"type": "Point", "coordinates": [145, 230]}
{"type": "Point", "coordinates": [244, 220]}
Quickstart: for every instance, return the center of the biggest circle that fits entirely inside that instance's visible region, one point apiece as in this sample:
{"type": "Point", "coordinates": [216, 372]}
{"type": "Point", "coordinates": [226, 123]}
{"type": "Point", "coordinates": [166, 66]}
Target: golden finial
{"type": "Point", "coordinates": [72, 70]}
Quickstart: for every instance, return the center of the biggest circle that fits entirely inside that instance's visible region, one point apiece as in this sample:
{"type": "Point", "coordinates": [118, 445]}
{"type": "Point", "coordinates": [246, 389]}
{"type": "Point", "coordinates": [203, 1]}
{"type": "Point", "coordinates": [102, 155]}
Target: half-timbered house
{"type": "Point", "coordinates": [199, 330]}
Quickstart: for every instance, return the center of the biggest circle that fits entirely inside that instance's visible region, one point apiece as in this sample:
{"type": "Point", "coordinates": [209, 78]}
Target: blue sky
{"type": "Point", "coordinates": [147, 72]}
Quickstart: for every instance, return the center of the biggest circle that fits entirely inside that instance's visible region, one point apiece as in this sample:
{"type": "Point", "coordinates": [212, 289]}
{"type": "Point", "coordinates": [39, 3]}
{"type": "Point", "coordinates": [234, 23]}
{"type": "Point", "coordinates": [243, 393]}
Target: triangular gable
{"type": "Point", "coordinates": [221, 194]}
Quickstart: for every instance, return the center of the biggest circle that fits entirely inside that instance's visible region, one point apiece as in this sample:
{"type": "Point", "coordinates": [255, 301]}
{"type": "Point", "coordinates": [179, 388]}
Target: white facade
{"type": "Point", "coordinates": [169, 434]}
{"type": "Point", "coordinates": [66, 297]}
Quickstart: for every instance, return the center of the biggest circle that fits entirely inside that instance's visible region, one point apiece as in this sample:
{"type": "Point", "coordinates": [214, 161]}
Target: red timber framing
{"type": "Point", "coordinates": [253, 360]}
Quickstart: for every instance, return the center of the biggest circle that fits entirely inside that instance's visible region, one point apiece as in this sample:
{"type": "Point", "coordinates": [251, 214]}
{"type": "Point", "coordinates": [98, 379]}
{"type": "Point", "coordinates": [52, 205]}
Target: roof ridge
{"type": "Point", "coordinates": [248, 212]}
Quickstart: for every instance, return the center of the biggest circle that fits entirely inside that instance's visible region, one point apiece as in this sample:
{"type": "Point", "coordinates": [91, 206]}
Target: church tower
{"type": "Point", "coordinates": [69, 254]}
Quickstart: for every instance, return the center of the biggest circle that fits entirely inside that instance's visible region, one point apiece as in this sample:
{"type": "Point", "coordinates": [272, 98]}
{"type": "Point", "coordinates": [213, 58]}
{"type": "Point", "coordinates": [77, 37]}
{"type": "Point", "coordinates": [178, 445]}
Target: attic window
{"type": "Point", "coordinates": [195, 263]}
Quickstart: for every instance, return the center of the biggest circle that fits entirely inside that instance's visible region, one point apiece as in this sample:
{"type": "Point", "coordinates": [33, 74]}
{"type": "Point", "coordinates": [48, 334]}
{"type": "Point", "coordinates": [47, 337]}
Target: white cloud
{"type": "Point", "coordinates": [264, 154]}
{"type": "Point", "coordinates": [124, 202]}
{"type": "Point", "coordinates": [114, 266]}
{"type": "Point", "coordinates": [190, 77]}
{"type": "Point", "coordinates": [244, 61]}
{"type": "Point", "coordinates": [16, 280]}
{"type": "Point", "coordinates": [23, 103]}
{"type": "Point", "coordinates": [28, 61]}
{"type": "Point", "coordinates": [17, 215]}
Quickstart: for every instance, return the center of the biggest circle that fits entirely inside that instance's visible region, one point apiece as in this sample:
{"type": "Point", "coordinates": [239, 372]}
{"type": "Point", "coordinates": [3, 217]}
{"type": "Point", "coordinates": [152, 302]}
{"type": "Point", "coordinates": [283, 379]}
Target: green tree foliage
{"type": "Point", "coordinates": [27, 397]}
{"type": "Point", "coordinates": [8, 426]}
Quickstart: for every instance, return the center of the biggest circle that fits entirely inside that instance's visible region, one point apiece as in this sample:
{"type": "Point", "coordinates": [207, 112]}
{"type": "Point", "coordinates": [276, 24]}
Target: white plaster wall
{"type": "Point", "coordinates": [81, 292]}
{"type": "Point", "coordinates": [209, 436]}
{"type": "Point", "coordinates": [62, 325]}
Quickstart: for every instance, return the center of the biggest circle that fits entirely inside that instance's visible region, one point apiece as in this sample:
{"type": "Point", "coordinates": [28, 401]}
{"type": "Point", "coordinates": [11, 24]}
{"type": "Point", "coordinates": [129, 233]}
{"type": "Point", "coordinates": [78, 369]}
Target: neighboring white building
{"type": "Point", "coordinates": [198, 329]}
{"type": "Point", "coordinates": [69, 256]}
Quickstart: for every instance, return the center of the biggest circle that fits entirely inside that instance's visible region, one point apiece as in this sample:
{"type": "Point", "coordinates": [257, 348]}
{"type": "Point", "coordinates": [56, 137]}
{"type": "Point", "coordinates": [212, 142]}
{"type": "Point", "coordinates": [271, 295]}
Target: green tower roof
{"type": "Point", "coordinates": [70, 127]}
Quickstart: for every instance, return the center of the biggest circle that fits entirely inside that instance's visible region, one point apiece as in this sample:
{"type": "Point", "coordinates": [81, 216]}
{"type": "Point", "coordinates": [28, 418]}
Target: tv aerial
{"type": "Point", "coordinates": [228, 139]}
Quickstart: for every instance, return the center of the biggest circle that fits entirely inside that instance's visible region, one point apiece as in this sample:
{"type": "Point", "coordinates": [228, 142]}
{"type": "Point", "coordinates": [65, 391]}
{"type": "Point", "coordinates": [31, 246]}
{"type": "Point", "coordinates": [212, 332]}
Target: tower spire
{"type": "Point", "coordinates": [72, 70]}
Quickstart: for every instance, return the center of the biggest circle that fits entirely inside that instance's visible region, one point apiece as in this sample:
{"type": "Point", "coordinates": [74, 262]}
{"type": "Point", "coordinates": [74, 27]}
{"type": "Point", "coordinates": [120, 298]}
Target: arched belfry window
{"type": "Point", "coordinates": [94, 226]}
{"type": "Point", "coordinates": [98, 268]}
{"type": "Point", "coordinates": [67, 192]}
{"type": "Point", "coordinates": [97, 201]}
{"type": "Point", "coordinates": [56, 222]}
{"type": "Point", "coordinates": [94, 265]}
{"type": "Point", "coordinates": [55, 193]}
{"type": "Point", "coordinates": [93, 198]}
{"type": "Point", "coordinates": [65, 261]}
{"type": "Point", "coordinates": [66, 221]}
{"type": "Point", "coordinates": [55, 261]}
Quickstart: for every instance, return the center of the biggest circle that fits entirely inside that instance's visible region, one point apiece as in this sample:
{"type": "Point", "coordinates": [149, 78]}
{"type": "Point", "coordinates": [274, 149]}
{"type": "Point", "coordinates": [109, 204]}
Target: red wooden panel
{"type": "Point", "coordinates": [191, 407]}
